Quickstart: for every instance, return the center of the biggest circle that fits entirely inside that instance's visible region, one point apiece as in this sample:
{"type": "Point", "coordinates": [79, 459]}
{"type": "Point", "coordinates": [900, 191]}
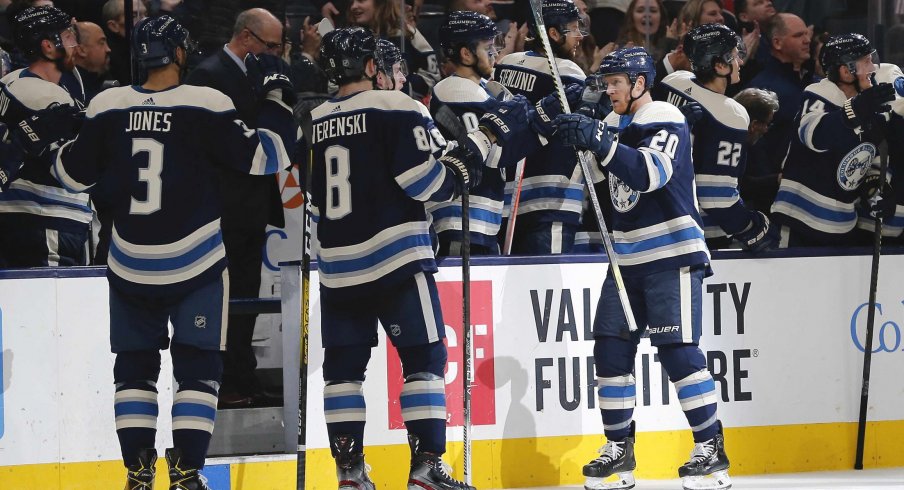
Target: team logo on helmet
{"type": "Point", "coordinates": [855, 165]}
{"type": "Point", "coordinates": [623, 197]}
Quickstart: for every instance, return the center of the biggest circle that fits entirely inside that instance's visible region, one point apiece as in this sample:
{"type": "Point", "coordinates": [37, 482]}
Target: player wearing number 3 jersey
{"type": "Point", "coordinates": [158, 145]}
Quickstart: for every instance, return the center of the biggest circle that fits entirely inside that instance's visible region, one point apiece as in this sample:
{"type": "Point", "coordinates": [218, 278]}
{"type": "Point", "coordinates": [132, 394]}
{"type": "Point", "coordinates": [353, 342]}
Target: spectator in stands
{"type": "Point", "coordinates": [646, 25]}
{"type": "Point", "coordinates": [787, 73]}
{"type": "Point", "coordinates": [480, 6]}
{"type": "Point", "coordinates": [759, 184]}
{"type": "Point", "coordinates": [752, 16]}
{"type": "Point", "coordinates": [92, 57]}
{"type": "Point", "coordinates": [606, 18]}
{"type": "Point", "coordinates": [115, 25]}
{"type": "Point", "coordinates": [383, 17]}
{"type": "Point", "coordinates": [250, 202]}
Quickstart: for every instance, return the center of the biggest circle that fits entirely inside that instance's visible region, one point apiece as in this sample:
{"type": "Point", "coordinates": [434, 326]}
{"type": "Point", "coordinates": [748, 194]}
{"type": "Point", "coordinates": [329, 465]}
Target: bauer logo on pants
{"type": "Point", "coordinates": [483, 403]}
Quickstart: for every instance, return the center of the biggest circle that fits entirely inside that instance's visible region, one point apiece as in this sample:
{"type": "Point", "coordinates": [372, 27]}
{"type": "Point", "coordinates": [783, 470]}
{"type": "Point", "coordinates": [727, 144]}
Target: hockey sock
{"type": "Point", "coordinates": [199, 374]}
{"type": "Point", "coordinates": [686, 366]}
{"type": "Point", "coordinates": [135, 402]}
{"type": "Point", "coordinates": [423, 402]}
{"type": "Point", "coordinates": [615, 385]}
{"type": "Point", "coordinates": [423, 397]}
{"type": "Point", "coordinates": [345, 412]}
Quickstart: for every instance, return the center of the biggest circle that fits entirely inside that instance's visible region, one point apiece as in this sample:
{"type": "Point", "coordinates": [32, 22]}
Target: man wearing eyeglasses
{"type": "Point", "coordinates": [41, 224]}
{"type": "Point", "coordinates": [250, 203]}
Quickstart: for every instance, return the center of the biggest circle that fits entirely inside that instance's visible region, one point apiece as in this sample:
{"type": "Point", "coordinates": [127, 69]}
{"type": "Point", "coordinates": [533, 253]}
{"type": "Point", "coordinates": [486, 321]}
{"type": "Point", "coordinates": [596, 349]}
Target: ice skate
{"type": "Point", "coordinates": [429, 472]}
{"type": "Point", "coordinates": [616, 458]}
{"type": "Point", "coordinates": [708, 467]}
{"type": "Point", "coordinates": [141, 475]}
{"type": "Point", "coordinates": [183, 478]}
{"type": "Point", "coordinates": [351, 470]}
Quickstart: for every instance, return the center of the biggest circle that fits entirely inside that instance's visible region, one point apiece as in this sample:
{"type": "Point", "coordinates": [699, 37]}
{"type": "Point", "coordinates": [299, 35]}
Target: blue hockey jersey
{"type": "Point", "coordinates": [719, 151]}
{"type": "Point", "coordinates": [469, 101]}
{"type": "Point", "coordinates": [159, 150]}
{"type": "Point", "coordinates": [35, 198]}
{"type": "Point", "coordinates": [823, 168]}
{"type": "Point", "coordinates": [655, 224]}
{"type": "Point", "coordinates": [373, 170]}
{"type": "Point", "coordinates": [553, 187]}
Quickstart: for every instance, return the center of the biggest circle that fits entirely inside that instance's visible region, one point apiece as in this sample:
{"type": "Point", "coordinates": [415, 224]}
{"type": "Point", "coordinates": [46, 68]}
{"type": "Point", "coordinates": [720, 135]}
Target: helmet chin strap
{"type": "Point", "coordinates": [631, 98]}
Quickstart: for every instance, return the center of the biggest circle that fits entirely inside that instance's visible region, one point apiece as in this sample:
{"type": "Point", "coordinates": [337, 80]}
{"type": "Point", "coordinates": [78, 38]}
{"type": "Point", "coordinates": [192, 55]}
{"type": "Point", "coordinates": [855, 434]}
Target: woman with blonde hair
{"type": "Point", "coordinates": [385, 19]}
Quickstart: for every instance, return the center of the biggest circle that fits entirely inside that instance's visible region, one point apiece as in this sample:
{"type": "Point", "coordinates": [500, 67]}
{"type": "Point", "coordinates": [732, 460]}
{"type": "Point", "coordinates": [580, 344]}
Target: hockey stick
{"type": "Point", "coordinates": [537, 10]}
{"type": "Point", "coordinates": [447, 119]}
{"type": "Point", "coordinates": [300, 452]}
{"type": "Point", "coordinates": [870, 317]}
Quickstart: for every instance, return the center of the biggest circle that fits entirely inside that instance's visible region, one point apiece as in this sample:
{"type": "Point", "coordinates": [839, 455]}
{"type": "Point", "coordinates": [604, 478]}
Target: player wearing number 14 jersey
{"type": "Point", "coordinates": [158, 145]}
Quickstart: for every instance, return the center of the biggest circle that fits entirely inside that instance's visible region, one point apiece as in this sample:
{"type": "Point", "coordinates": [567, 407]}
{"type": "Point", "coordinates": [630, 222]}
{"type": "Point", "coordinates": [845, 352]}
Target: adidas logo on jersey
{"type": "Point", "coordinates": [688, 90]}
{"type": "Point", "coordinates": [336, 109]}
{"type": "Point", "coordinates": [148, 101]}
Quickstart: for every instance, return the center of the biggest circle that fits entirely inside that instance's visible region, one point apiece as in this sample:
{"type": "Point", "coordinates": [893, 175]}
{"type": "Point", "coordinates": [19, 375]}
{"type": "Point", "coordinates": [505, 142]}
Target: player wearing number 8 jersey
{"type": "Point", "coordinates": [158, 145]}
{"type": "Point", "coordinates": [659, 240]}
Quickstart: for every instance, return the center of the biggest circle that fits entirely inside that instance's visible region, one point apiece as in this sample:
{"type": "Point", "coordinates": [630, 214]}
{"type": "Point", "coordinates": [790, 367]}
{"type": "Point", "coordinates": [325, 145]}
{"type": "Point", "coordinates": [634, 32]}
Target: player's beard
{"type": "Point", "coordinates": [64, 62]}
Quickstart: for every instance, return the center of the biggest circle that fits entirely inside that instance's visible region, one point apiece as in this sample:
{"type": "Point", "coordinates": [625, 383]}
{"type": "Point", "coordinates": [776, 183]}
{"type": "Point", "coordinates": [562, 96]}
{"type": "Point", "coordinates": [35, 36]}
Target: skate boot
{"type": "Point", "coordinates": [351, 470]}
{"type": "Point", "coordinates": [141, 476]}
{"type": "Point", "coordinates": [429, 472]}
{"type": "Point", "coordinates": [183, 478]}
{"type": "Point", "coordinates": [616, 458]}
{"type": "Point", "coordinates": [708, 466]}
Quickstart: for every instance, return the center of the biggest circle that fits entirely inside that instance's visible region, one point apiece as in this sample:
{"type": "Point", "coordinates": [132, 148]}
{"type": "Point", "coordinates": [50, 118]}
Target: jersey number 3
{"type": "Point", "coordinates": [150, 175]}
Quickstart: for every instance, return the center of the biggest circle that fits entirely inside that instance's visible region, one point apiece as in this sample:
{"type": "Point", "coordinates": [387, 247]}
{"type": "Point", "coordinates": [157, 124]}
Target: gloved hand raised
{"type": "Point", "coordinates": [467, 164]}
{"type": "Point", "coordinates": [47, 129]}
{"type": "Point", "coordinates": [546, 110]}
{"type": "Point", "coordinates": [507, 120]}
{"type": "Point", "coordinates": [760, 235]}
{"type": "Point", "coordinates": [268, 73]}
{"type": "Point", "coordinates": [861, 108]}
{"type": "Point", "coordinates": [584, 133]}
{"type": "Point", "coordinates": [693, 112]}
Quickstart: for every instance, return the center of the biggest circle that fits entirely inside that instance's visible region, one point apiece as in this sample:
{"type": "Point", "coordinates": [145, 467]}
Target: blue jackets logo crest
{"type": "Point", "coordinates": [854, 166]}
{"type": "Point", "coordinates": [623, 197]}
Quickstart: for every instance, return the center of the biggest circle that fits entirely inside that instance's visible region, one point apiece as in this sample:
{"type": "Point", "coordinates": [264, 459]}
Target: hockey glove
{"type": "Point", "coordinates": [583, 133]}
{"type": "Point", "coordinates": [693, 112]}
{"type": "Point", "coordinates": [47, 129]}
{"type": "Point", "coordinates": [860, 109]}
{"type": "Point", "coordinates": [11, 159]}
{"type": "Point", "coordinates": [507, 120]}
{"type": "Point", "coordinates": [759, 235]}
{"type": "Point", "coordinates": [546, 110]}
{"type": "Point", "coordinates": [594, 104]}
{"type": "Point", "coordinates": [467, 166]}
{"type": "Point", "coordinates": [269, 75]}
{"type": "Point", "coordinates": [874, 202]}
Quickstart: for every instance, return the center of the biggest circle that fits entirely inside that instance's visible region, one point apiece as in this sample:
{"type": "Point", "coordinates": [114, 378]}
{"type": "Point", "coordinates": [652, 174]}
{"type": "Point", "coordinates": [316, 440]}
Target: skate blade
{"type": "Point", "coordinates": [623, 481]}
{"type": "Point", "coordinates": [718, 480]}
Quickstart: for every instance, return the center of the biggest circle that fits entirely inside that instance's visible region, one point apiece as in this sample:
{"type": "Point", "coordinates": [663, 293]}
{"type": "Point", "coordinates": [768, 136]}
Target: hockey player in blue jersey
{"type": "Point", "coordinates": [41, 224]}
{"type": "Point", "coordinates": [469, 42]}
{"type": "Point", "coordinates": [720, 137]}
{"type": "Point", "coordinates": [552, 190]}
{"type": "Point", "coordinates": [842, 121]}
{"type": "Point", "coordinates": [374, 168]}
{"type": "Point", "coordinates": [158, 144]}
{"type": "Point", "coordinates": [658, 237]}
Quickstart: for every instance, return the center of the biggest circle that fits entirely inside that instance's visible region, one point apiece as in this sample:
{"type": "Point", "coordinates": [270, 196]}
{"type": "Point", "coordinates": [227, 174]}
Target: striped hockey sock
{"type": "Point", "coordinates": [616, 400]}
{"type": "Point", "coordinates": [135, 407]}
{"type": "Point", "coordinates": [697, 395]}
{"type": "Point", "coordinates": [423, 401]}
{"type": "Point", "coordinates": [194, 412]}
{"type": "Point", "coordinates": [345, 411]}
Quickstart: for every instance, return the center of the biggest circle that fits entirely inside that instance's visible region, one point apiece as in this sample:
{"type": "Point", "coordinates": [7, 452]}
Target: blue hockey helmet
{"type": "Point", "coordinates": [387, 55]}
{"type": "Point", "coordinates": [844, 50]}
{"type": "Point", "coordinates": [706, 44]}
{"type": "Point", "coordinates": [466, 28]}
{"type": "Point", "coordinates": [344, 53]}
{"type": "Point", "coordinates": [558, 14]}
{"type": "Point", "coordinates": [632, 62]}
{"type": "Point", "coordinates": [156, 39]}
{"type": "Point", "coordinates": [35, 24]}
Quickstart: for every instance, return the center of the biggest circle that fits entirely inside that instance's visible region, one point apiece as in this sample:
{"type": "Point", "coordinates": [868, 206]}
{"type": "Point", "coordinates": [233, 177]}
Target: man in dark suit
{"type": "Point", "coordinates": [249, 202]}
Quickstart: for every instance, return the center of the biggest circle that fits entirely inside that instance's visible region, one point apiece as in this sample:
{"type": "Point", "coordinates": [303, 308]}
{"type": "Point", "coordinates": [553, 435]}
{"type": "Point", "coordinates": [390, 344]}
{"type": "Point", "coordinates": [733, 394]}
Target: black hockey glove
{"type": "Point", "coordinates": [546, 110]}
{"type": "Point", "coordinates": [760, 235]}
{"type": "Point", "coordinates": [268, 73]}
{"type": "Point", "coordinates": [467, 166]}
{"type": "Point", "coordinates": [860, 109]}
{"type": "Point", "coordinates": [874, 202]}
{"type": "Point", "coordinates": [11, 159]}
{"type": "Point", "coordinates": [47, 129]}
{"type": "Point", "coordinates": [875, 130]}
{"type": "Point", "coordinates": [595, 103]}
{"type": "Point", "coordinates": [693, 112]}
{"type": "Point", "coordinates": [583, 133]}
{"type": "Point", "coordinates": [507, 120]}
